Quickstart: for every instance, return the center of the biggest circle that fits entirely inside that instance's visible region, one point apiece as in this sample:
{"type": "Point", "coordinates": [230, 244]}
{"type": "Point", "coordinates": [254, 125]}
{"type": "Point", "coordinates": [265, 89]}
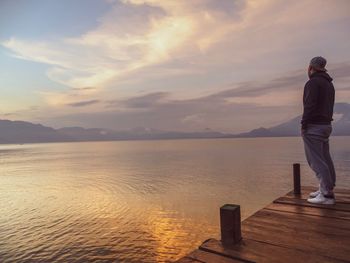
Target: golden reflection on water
{"type": "Point", "coordinates": [149, 201]}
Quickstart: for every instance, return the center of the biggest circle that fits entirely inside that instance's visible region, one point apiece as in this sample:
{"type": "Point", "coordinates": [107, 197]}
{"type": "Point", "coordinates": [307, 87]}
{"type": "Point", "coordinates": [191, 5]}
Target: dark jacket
{"type": "Point", "coordinates": [318, 100]}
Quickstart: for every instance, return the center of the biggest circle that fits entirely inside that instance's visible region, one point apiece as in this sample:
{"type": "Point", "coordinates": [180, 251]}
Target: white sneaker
{"type": "Point", "coordinates": [321, 199]}
{"type": "Point", "coordinates": [314, 194]}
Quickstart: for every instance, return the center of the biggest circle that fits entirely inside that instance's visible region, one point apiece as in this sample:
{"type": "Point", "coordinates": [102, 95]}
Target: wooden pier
{"type": "Point", "coordinates": [288, 230]}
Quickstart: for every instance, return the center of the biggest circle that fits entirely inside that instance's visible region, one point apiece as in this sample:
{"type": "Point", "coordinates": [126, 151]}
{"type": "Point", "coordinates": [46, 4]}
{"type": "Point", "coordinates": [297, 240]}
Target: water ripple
{"type": "Point", "coordinates": [145, 201]}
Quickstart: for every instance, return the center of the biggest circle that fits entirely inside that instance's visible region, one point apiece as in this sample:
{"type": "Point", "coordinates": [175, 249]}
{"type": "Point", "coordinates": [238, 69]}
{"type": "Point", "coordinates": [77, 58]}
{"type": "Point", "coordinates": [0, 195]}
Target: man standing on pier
{"type": "Point", "coordinates": [316, 128]}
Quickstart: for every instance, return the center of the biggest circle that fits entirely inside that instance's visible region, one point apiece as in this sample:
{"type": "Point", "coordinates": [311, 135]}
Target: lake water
{"type": "Point", "coordinates": [139, 201]}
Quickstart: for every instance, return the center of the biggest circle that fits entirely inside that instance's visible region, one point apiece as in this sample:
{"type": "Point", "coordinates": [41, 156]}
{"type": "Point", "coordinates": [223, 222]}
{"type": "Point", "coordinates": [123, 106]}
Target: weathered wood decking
{"type": "Point", "coordinates": [288, 230]}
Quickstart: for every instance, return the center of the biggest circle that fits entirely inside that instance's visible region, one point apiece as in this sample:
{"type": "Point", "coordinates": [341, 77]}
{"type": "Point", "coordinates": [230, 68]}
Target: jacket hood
{"type": "Point", "coordinates": [322, 74]}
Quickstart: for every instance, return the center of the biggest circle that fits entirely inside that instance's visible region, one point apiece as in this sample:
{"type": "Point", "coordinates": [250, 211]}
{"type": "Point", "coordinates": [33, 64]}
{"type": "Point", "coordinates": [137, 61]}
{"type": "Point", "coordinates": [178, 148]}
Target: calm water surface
{"type": "Point", "coordinates": [138, 201]}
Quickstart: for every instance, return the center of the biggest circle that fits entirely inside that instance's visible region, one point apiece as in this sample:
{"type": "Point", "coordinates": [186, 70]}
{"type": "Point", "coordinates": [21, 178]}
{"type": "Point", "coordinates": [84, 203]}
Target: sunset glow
{"type": "Point", "coordinates": [83, 70]}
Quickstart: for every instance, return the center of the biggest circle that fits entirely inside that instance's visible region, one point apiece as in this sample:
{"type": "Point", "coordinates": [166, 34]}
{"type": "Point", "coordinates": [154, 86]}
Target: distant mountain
{"type": "Point", "coordinates": [138, 133]}
{"type": "Point", "coordinates": [26, 132]}
{"type": "Point", "coordinates": [82, 134]}
{"type": "Point", "coordinates": [341, 126]}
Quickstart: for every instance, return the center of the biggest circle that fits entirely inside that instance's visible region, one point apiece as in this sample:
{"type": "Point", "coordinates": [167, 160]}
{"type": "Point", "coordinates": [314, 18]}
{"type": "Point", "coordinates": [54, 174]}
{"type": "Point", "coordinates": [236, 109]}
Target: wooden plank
{"type": "Point", "coordinates": [253, 251]}
{"type": "Point", "coordinates": [186, 259]}
{"type": "Point", "coordinates": [306, 210]}
{"type": "Point", "coordinates": [302, 202]}
{"type": "Point", "coordinates": [327, 237]}
{"type": "Point", "coordinates": [336, 189]}
{"type": "Point", "coordinates": [341, 196]}
{"type": "Point", "coordinates": [288, 230]}
{"type": "Point", "coordinates": [206, 257]}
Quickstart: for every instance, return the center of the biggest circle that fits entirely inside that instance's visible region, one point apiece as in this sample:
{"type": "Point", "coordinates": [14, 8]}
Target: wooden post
{"type": "Point", "coordinates": [230, 224]}
{"type": "Point", "coordinates": [296, 177]}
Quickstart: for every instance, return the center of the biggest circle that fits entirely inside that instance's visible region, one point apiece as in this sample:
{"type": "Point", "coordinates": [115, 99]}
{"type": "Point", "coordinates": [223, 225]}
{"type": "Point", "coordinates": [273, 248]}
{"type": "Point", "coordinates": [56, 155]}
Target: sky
{"type": "Point", "coordinates": [181, 65]}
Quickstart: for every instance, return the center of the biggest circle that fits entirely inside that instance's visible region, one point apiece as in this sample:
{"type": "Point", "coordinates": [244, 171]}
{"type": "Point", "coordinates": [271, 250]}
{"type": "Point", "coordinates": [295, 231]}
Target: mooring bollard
{"type": "Point", "coordinates": [296, 178]}
{"type": "Point", "coordinates": [230, 224]}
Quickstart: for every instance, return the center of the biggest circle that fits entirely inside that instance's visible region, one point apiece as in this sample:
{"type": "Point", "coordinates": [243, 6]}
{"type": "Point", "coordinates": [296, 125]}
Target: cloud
{"type": "Point", "coordinates": [20, 113]}
{"type": "Point", "coordinates": [193, 118]}
{"type": "Point", "coordinates": [182, 54]}
{"type": "Point", "coordinates": [138, 34]}
{"type": "Point", "coordinates": [83, 103]}
{"type": "Point", "coordinates": [286, 88]}
{"type": "Point", "coordinates": [145, 101]}
{"type": "Point", "coordinates": [133, 35]}
{"type": "Point", "coordinates": [85, 89]}
{"type": "Point", "coordinates": [240, 108]}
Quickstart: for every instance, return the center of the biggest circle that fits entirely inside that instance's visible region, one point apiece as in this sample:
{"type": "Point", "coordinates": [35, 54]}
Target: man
{"type": "Point", "coordinates": [316, 128]}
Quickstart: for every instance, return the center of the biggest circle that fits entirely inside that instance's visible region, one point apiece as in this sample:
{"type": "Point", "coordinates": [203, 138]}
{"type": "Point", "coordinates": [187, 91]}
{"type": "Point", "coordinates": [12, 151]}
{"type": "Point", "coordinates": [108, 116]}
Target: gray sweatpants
{"type": "Point", "coordinates": [316, 144]}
